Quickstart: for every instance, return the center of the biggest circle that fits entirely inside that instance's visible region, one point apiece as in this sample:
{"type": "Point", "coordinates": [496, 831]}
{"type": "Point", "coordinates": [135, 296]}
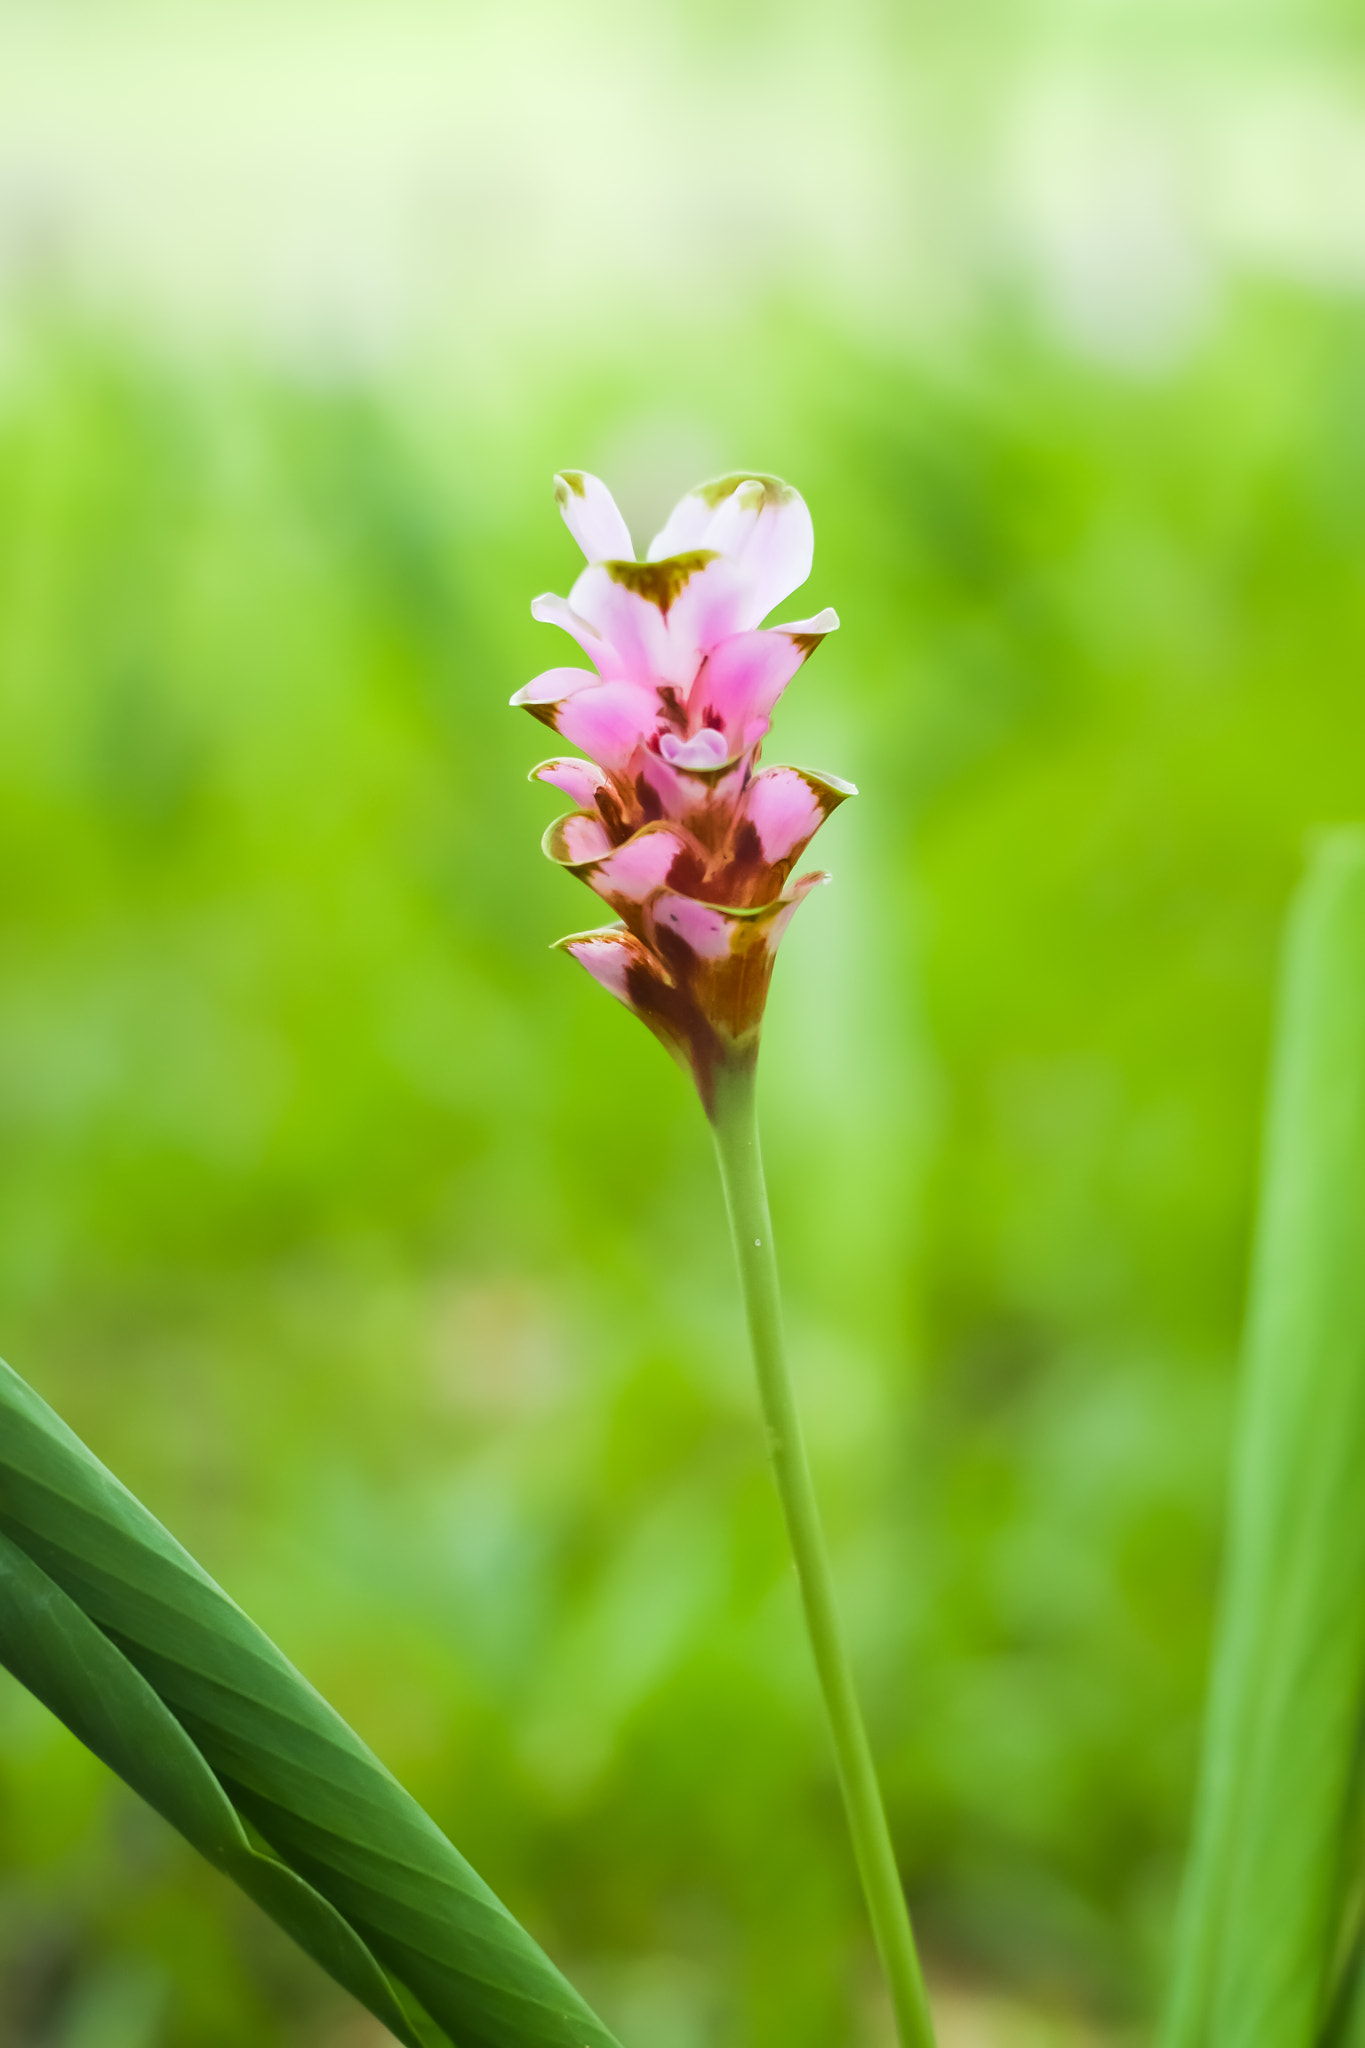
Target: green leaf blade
{"type": "Point", "coordinates": [323, 1803]}
{"type": "Point", "coordinates": [1259, 1926]}
{"type": "Point", "coordinates": [55, 1650]}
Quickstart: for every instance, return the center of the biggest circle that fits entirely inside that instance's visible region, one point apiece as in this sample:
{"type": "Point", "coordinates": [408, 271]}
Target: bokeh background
{"type": "Point", "coordinates": [375, 1248]}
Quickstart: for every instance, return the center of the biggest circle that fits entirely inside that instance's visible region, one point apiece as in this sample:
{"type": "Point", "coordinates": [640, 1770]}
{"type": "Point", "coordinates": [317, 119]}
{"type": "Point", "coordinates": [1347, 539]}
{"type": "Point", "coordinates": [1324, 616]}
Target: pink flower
{"type": "Point", "coordinates": [675, 826]}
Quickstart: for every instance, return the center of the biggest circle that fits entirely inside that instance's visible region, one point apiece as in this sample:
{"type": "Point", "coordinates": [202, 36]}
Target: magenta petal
{"type": "Point", "coordinates": [704, 929]}
{"type": "Point", "coordinates": [609, 721]}
{"type": "Point", "coordinates": [555, 686]}
{"type": "Point", "coordinates": [714, 932]}
{"type": "Point", "coordinates": [660, 618]}
{"type": "Point", "coordinates": [668, 791]}
{"type": "Point", "coordinates": [702, 799]}
{"type": "Point", "coordinates": [686, 527]}
{"type": "Point", "coordinates": [628, 875]}
{"type": "Point", "coordinates": [673, 791]}
{"type": "Point", "coordinates": [631, 873]}
{"type": "Point", "coordinates": [579, 780]}
{"type": "Point", "coordinates": [577, 837]}
{"type": "Point", "coordinates": [709, 609]}
{"type": "Point", "coordinates": [778, 551]}
{"type": "Point", "coordinates": [589, 511]}
{"type": "Point", "coordinates": [758, 522]}
{"type": "Point", "coordinates": [722, 959]}
{"type": "Point", "coordinates": [786, 808]}
{"type": "Point", "coordinates": [741, 681]}
{"type": "Point", "coordinates": [617, 959]}
{"type": "Point", "coordinates": [633, 627]}
{"type": "Point", "coordinates": [557, 611]}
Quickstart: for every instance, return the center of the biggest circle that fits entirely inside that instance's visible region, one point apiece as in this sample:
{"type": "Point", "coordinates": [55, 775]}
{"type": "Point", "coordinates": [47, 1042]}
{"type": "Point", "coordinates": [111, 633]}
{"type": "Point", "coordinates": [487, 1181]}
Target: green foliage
{"type": "Point", "coordinates": [1271, 1846]}
{"type": "Point", "coordinates": [384, 1259]}
{"type": "Point", "coordinates": [107, 1621]}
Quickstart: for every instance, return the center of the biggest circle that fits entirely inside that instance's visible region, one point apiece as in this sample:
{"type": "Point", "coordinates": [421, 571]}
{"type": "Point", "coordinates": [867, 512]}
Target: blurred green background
{"type": "Point", "coordinates": [377, 1250]}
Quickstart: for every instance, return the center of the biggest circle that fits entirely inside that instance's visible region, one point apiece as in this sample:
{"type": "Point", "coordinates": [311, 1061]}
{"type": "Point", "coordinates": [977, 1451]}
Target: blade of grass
{"type": "Point", "coordinates": [1260, 1917]}
{"type": "Point", "coordinates": [86, 1565]}
{"type": "Point", "coordinates": [1345, 2023]}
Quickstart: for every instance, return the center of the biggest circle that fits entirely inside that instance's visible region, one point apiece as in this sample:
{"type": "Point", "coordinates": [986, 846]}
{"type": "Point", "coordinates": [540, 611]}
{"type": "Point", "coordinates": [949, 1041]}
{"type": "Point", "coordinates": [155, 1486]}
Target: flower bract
{"type": "Point", "coordinates": [687, 840]}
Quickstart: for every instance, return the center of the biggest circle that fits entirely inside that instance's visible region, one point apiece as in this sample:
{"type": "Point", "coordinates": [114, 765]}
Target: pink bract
{"type": "Point", "coordinates": [676, 827]}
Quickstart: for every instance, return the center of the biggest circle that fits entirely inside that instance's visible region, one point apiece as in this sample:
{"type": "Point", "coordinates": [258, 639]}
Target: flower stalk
{"type": "Point", "coordinates": [734, 1123]}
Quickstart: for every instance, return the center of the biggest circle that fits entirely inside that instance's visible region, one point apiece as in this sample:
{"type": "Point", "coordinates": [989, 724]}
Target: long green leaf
{"type": "Point", "coordinates": [58, 1653]}
{"type": "Point", "coordinates": [128, 1641]}
{"type": "Point", "coordinates": [1345, 2026]}
{"type": "Point", "coordinates": [1261, 1910]}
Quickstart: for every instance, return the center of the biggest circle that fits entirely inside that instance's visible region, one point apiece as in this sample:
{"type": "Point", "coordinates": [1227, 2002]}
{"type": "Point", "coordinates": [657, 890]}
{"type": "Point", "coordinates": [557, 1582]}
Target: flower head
{"type": "Point", "coordinates": [674, 824]}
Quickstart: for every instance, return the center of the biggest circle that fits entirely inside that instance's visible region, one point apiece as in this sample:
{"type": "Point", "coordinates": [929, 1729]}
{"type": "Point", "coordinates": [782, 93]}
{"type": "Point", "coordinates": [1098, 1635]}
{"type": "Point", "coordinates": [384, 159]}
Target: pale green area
{"type": "Point", "coordinates": [379, 1251]}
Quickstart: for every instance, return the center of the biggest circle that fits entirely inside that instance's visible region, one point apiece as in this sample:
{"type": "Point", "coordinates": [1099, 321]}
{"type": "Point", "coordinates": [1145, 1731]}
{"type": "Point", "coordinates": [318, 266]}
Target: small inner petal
{"type": "Point", "coordinates": [706, 749]}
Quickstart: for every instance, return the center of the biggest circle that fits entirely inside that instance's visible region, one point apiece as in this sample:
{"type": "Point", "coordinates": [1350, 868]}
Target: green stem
{"type": "Point", "coordinates": [735, 1124]}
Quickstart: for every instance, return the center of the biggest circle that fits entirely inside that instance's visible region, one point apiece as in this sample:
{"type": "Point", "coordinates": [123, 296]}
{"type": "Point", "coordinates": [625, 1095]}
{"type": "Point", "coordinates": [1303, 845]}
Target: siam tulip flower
{"type": "Point", "coordinates": [675, 826]}
{"type": "Point", "coordinates": [694, 847]}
